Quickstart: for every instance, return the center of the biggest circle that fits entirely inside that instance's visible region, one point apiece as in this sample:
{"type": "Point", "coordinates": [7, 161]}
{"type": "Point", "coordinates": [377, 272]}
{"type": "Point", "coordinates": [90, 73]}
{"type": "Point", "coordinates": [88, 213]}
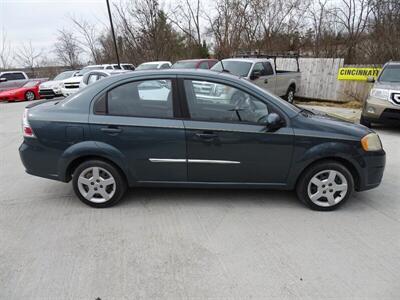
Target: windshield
{"type": "Point", "coordinates": [147, 66]}
{"type": "Point", "coordinates": [390, 73]}
{"type": "Point", "coordinates": [31, 83]}
{"type": "Point", "coordinates": [128, 67]}
{"type": "Point", "coordinates": [87, 69]}
{"type": "Point", "coordinates": [184, 65]}
{"type": "Point", "coordinates": [240, 68]}
{"type": "Point", "coordinates": [64, 75]}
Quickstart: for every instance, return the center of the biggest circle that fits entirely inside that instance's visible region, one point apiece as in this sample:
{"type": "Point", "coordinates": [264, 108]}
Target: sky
{"type": "Point", "coordinates": [38, 20]}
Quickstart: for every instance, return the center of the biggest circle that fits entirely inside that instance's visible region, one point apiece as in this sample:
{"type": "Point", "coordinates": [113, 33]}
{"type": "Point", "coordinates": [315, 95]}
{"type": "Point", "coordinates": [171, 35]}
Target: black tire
{"type": "Point", "coordinates": [310, 172]}
{"type": "Point", "coordinates": [365, 122]}
{"type": "Point", "coordinates": [289, 97]}
{"type": "Point", "coordinates": [29, 96]}
{"type": "Point", "coordinates": [120, 183]}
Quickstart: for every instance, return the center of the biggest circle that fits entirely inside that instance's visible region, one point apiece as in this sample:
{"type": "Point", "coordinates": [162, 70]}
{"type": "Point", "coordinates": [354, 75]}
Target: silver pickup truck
{"type": "Point", "coordinates": [263, 72]}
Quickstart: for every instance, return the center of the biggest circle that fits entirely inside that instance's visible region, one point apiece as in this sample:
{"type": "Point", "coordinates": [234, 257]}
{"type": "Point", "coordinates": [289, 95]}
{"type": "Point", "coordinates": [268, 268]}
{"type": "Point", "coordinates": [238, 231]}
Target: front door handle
{"type": "Point", "coordinates": [266, 81]}
{"type": "Point", "coordinates": [111, 130]}
{"type": "Point", "coordinates": [207, 136]}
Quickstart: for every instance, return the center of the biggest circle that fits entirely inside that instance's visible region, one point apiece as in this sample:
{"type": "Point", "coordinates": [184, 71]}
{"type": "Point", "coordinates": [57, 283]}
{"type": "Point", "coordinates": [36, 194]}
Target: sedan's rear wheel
{"type": "Point", "coordinates": [29, 96]}
{"type": "Point", "coordinates": [325, 185]}
{"type": "Point", "coordinates": [98, 183]}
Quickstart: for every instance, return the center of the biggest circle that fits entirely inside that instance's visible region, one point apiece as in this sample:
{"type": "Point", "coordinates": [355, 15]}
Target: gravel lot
{"type": "Point", "coordinates": [192, 244]}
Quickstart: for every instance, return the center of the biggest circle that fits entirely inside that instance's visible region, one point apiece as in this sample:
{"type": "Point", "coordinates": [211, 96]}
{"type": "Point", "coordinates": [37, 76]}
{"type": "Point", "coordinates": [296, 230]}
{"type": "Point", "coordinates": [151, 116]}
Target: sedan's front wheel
{"type": "Point", "coordinates": [325, 185]}
{"type": "Point", "coordinates": [98, 183]}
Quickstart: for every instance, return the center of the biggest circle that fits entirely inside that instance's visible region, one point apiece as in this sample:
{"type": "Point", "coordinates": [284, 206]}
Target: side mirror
{"type": "Point", "coordinates": [3, 79]}
{"type": "Point", "coordinates": [272, 121]}
{"type": "Point", "coordinates": [371, 79]}
{"type": "Point", "coordinates": [254, 75]}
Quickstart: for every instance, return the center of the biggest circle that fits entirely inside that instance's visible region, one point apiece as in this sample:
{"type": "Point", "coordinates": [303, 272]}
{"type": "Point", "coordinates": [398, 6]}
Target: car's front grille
{"type": "Point", "coordinates": [72, 85]}
{"type": "Point", "coordinates": [46, 92]}
{"type": "Point", "coordinates": [395, 97]}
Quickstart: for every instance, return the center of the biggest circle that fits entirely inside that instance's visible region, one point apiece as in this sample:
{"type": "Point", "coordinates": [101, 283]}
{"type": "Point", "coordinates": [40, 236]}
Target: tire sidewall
{"type": "Point", "coordinates": [291, 89]}
{"type": "Point", "coordinates": [119, 182]}
{"type": "Point", "coordinates": [302, 185]}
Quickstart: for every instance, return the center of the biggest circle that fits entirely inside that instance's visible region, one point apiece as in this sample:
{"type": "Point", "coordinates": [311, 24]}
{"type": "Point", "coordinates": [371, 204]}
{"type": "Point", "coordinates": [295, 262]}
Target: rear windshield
{"type": "Point", "coordinates": [184, 65]}
{"type": "Point", "coordinates": [239, 68]}
{"type": "Point", "coordinates": [390, 73]}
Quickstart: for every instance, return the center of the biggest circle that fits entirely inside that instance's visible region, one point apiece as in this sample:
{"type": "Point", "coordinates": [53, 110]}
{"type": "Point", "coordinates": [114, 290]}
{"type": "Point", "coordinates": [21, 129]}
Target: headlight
{"type": "Point", "coordinates": [371, 142]}
{"type": "Point", "coordinates": [380, 94]}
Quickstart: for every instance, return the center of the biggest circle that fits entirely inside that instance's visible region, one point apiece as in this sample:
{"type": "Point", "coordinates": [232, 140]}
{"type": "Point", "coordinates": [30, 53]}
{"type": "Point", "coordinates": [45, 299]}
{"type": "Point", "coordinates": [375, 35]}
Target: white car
{"type": "Point", "coordinates": [153, 65]}
{"type": "Point", "coordinates": [52, 88]}
{"type": "Point", "coordinates": [71, 85]}
{"type": "Point", "coordinates": [93, 76]}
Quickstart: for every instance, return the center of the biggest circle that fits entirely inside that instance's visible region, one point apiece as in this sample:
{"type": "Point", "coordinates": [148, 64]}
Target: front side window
{"type": "Point", "coordinates": [92, 78]}
{"type": "Point", "coordinates": [211, 101]}
{"type": "Point", "coordinates": [259, 69]}
{"type": "Point", "coordinates": [149, 98]}
{"type": "Point", "coordinates": [268, 68]}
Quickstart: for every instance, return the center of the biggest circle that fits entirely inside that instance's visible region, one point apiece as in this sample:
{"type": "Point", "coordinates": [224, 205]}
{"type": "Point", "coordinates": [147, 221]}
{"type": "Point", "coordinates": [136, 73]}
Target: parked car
{"type": "Point", "coordinates": [26, 91]}
{"type": "Point", "coordinates": [52, 88]}
{"type": "Point", "coordinates": [153, 65]}
{"type": "Point", "coordinates": [13, 75]}
{"type": "Point", "coordinates": [124, 66]}
{"type": "Point", "coordinates": [383, 102]}
{"type": "Point", "coordinates": [136, 129]}
{"type": "Point", "coordinates": [263, 72]}
{"type": "Point", "coordinates": [70, 85]}
{"type": "Point", "coordinates": [194, 64]}
{"type": "Point", "coordinates": [93, 76]}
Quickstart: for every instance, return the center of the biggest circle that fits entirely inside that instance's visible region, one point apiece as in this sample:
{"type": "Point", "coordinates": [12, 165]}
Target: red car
{"type": "Point", "coordinates": [202, 63]}
{"type": "Point", "coordinates": [27, 90]}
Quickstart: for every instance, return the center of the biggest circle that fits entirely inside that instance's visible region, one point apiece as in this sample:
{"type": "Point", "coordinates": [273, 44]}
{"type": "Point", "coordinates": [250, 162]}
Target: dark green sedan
{"type": "Point", "coordinates": [197, 129]}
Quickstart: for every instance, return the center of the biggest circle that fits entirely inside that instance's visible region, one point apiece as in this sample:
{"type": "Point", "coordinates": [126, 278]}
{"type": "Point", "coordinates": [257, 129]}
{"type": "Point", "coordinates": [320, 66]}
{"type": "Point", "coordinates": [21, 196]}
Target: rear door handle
{"type": "Point", "coordinates": [111, 130]}
{"type": "Point", "coordinates": [266, 81]}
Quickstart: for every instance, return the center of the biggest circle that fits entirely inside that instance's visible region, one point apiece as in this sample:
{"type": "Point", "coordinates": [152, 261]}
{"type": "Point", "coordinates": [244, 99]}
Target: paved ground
{"type": "Point", "coordinates": [197, 244]}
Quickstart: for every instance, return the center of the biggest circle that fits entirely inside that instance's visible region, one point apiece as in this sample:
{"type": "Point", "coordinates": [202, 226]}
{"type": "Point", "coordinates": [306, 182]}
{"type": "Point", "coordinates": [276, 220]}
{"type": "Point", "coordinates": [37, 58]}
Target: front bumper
{"type": "Point", "coordinates": [69, 91]}
{"type": "Point", "coordinates": [381, 111]}
{"type": "Point", "coordinates": [49, 93]}
{"type": "Point", "coordinates": [372, 168]}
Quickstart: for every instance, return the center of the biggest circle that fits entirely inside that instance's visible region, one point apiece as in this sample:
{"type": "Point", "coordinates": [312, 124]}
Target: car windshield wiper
{"type": "Point", "coordinates": [306, 111]}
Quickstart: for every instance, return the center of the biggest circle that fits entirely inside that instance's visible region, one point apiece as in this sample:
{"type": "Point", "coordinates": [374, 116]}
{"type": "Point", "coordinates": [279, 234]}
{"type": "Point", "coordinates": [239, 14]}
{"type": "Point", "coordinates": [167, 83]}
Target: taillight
{"type": "Point", "coordinates": [26, 128]}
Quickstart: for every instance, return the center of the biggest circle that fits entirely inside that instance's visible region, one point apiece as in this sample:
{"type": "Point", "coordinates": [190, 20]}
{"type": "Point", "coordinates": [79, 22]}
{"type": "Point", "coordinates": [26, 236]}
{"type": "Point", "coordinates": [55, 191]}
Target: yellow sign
{"type": "Point", "coordinates": [357, 73]}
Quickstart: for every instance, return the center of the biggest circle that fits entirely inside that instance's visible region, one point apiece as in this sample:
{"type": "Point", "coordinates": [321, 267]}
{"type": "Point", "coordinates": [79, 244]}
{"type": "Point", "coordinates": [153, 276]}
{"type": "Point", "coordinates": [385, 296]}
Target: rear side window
{"type": "Point", "coordinates": [149, 98]}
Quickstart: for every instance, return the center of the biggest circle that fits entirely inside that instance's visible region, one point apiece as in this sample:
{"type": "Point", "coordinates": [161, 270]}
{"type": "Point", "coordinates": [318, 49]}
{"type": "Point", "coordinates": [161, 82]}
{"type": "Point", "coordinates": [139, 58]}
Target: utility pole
{"type": "Point", "coordinates": [113, 33]}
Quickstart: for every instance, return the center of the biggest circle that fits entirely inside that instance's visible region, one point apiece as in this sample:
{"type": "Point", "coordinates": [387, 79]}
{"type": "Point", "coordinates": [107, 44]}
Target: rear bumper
{"type": "Point", "coordinates": [372, 170]}
{"type": "Point", "coordinates": [38, 160]}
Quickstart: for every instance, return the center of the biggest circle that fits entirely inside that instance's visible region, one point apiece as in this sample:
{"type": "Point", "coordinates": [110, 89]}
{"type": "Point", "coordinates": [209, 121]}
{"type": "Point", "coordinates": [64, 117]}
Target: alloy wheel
{"type": "Point", "coordinates": [290, 96]}
{"type": "Point", "coordinates": [96, 184]}
{"type": "Point", "coordinates": [327, 188]}
{"type": "Point", "coordinates": [30, 95]}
